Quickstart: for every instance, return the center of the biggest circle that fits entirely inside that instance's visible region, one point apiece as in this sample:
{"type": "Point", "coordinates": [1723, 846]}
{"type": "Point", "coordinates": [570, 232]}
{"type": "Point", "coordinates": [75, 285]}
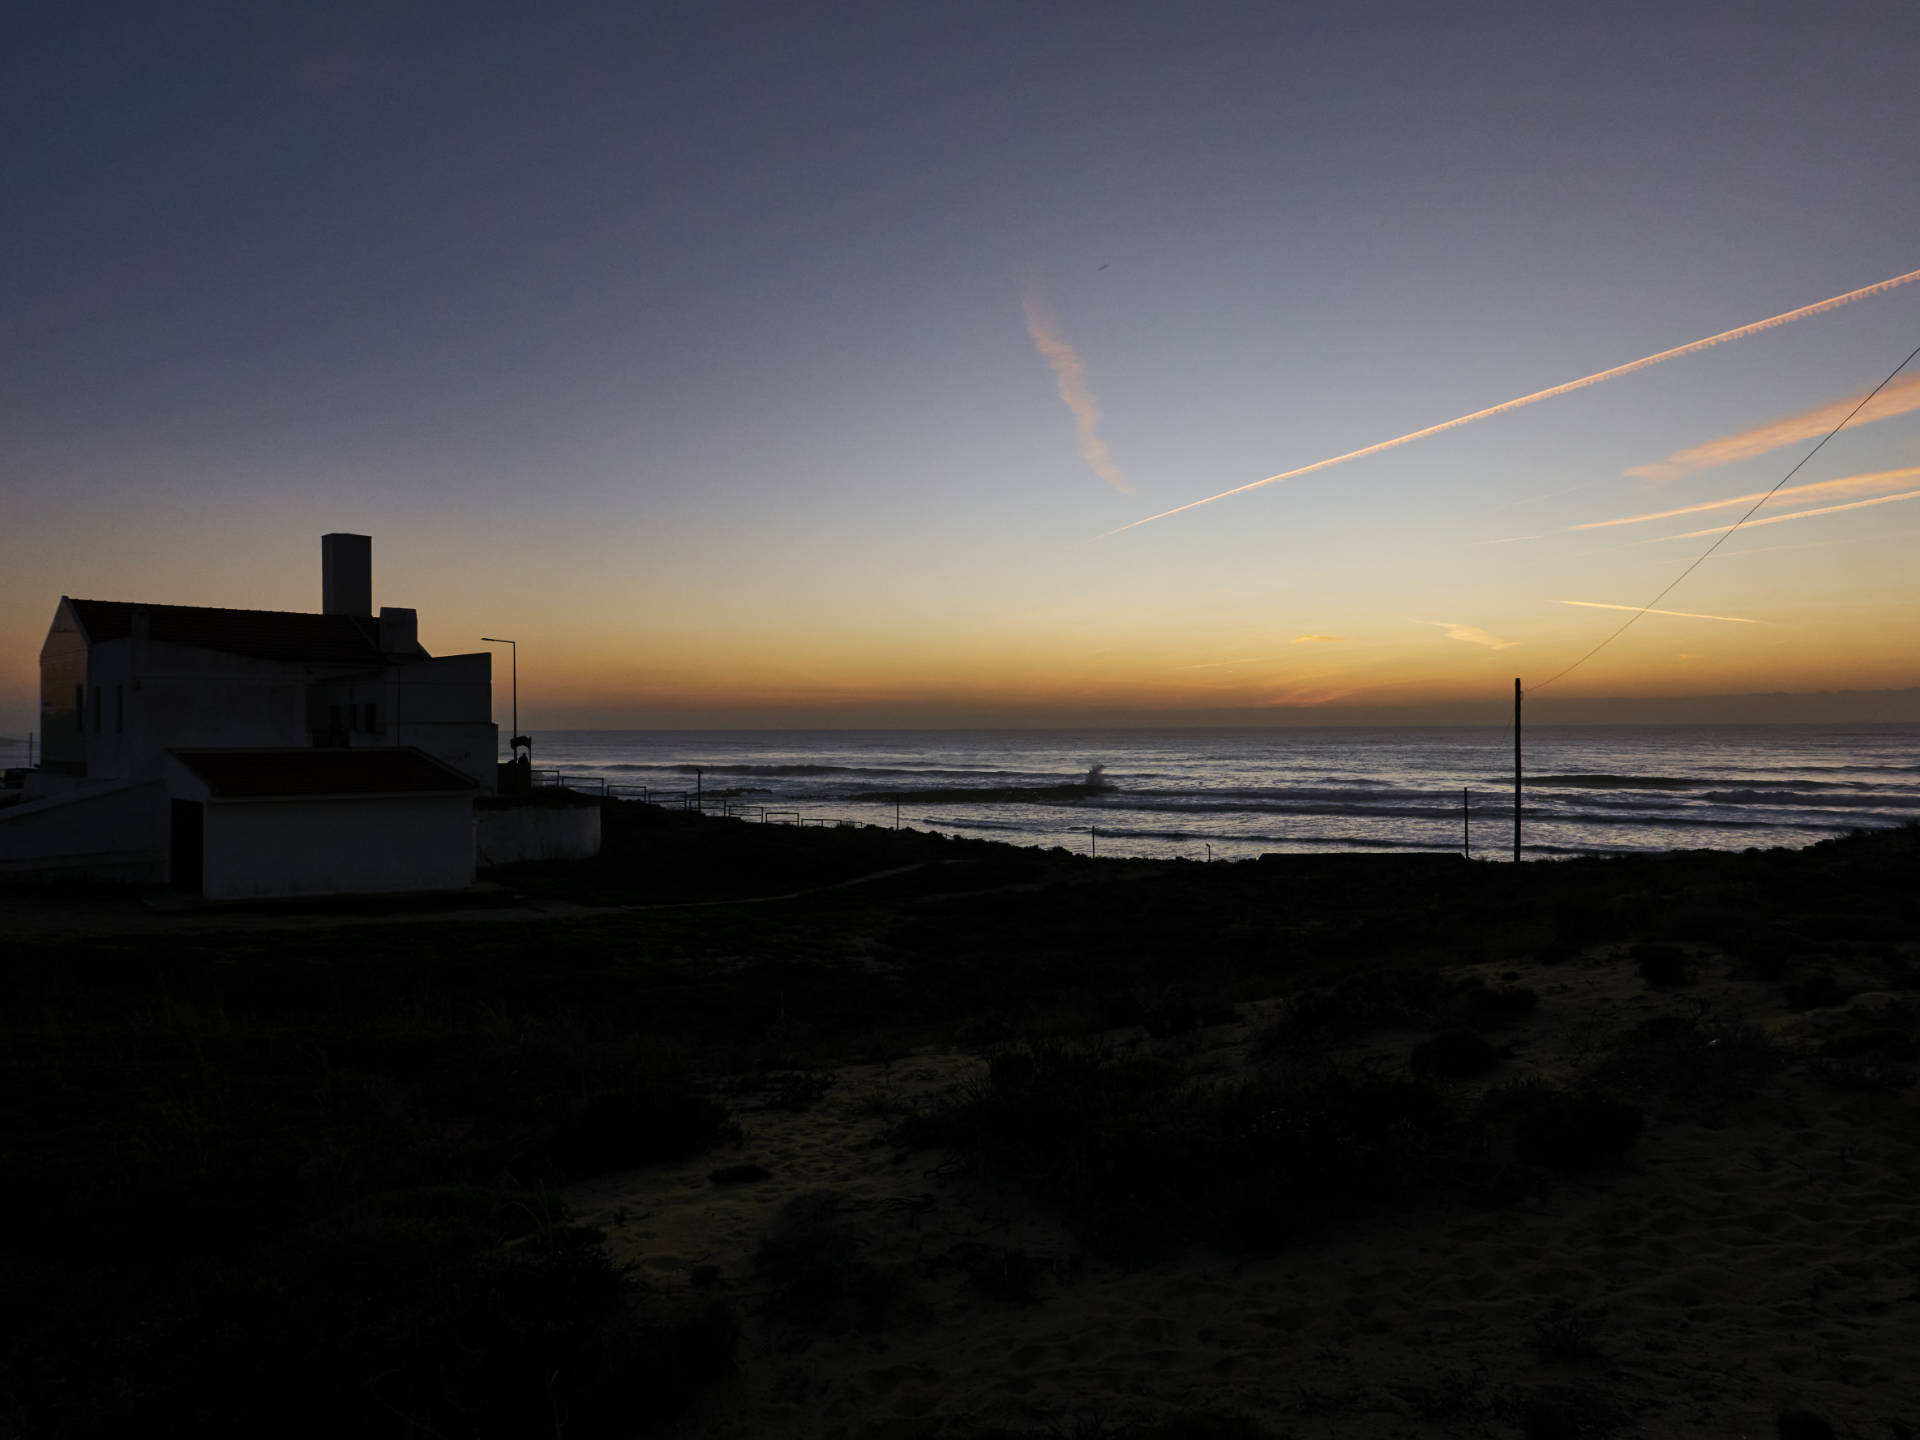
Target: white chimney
{"type": "Point", "coordinates": [346, 575]}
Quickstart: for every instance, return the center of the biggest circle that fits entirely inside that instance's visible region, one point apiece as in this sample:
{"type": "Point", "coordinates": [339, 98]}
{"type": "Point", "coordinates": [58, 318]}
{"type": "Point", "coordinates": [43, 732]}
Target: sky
{"type": "Point", "coordinates": [793, 364]}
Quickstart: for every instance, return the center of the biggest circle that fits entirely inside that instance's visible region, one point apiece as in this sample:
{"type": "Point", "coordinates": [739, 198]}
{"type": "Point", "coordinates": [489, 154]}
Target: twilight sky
{"type": "Point", "coordinates": [791, 363]}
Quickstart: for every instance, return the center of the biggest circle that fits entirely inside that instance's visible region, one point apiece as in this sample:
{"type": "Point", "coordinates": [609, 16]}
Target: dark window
{"type": "Point", "coordinates": [373, 716]}
{"type": "Point", "coordinates": [80, 708]}
{"type": "Point", "coordinates": [119, 709]}
{"type": "Point", "coordinates": [96, 709]}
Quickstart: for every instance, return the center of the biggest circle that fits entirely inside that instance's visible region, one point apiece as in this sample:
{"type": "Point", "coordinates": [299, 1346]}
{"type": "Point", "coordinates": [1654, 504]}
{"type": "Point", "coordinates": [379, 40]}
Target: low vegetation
{"type": "Point", "coordinates": [313, 1168]}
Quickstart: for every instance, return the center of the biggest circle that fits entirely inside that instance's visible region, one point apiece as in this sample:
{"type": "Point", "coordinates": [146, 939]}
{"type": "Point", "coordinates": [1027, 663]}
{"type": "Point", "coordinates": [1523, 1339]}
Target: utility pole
{"type": "Point", "coordinates": [1516, 769]}
{"type": "Point", "coordinates": [491, 640]}
{"type": "Point", "coordinates": [1466, 822]}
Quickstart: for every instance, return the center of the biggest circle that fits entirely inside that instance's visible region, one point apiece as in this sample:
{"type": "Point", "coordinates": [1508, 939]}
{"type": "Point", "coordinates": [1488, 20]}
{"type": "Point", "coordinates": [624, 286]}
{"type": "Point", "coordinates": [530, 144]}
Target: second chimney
{"type": "Point", "coordinates": [346, 575]}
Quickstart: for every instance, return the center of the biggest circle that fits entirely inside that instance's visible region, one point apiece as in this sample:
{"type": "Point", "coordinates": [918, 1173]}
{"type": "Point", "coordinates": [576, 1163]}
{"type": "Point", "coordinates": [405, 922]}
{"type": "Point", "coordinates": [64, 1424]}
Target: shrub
{"type": "Point", "coordinates": [1454, 1055]}
{"type": "Point", "coordinates": [1872, 1044]}
{"type": "Point", "coordinates": [1169, 1014]}
{"type": "Point", "coordinates": [1355, 1004]}
{"type": "Point", "coordinates": [1794, 1422]}
{"type": "Point", "coordinates": [1682, 1059]}
{"type": "Point", "coordinates": [1564, 1331]}
{"type": "Point", "coordinates": [617, 1130]}
{"type": "Point", "coordinates": [797, 1091]}
{"type": "Point", "coordinates": [1662, 965]}
{"type": "Point", "coordinates": [810, 1254]}
{"type": "Point", "coordinates": [1564, 1130]}
{"type": "Point", "coordinates": [1138, 1159]}
{"type": "Point", "coordinates": [1816, 992]}
{"type": "Point", "coordinates": [1870, 1060]}
{"type": "Point", "coordinates": [1479, 1002]}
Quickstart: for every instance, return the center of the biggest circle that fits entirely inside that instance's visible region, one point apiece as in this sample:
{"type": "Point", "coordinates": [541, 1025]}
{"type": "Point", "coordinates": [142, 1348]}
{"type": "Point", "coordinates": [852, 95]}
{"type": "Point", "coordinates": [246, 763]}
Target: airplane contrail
{"type": "Point", "coordinates": [1877, 480]}
{"type": "Point", "coordinates": [1792, 515]}
{"type": "Point", "coordinates": [1901, 397]}
{"type": "Point", "coordinates": [1682, 614]}
{"type": "Point", "coordinates": [1818, 308]}
{"type": "Point", "coordinates": [1070, 378]}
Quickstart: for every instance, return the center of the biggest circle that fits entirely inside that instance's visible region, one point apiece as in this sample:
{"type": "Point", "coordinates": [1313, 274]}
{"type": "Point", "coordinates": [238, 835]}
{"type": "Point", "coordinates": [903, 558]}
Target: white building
{"type": "Point", "coordinates": [249, 753]}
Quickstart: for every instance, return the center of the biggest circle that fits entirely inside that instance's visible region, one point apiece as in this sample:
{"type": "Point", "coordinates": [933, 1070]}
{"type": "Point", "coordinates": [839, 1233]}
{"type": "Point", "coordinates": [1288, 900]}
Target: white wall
{"type": "Point", "coordinates": [103, 832]}
{"type": "Point", "coordinates": [536, 832]}
{"type": "Point", "coordinates": [258, 849]}
{"type": "Point", "coordinates": [443, 705]}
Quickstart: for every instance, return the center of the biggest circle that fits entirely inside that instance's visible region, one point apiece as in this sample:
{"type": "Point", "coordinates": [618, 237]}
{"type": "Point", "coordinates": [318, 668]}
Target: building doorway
{"type": "Point", "coordinates": [188, 834]}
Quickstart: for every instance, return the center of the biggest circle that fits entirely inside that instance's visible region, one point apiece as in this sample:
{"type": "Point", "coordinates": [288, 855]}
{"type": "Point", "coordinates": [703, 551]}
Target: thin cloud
{"type": "Point", "coordinates": [1819, 307]}
{"type": "Point", "coordinates": [1902, 397]}
{"type": "Point", "coordinates": [1472, 634]}
{"type": "Point", "coordinates": [1216, 664]}
{"type": "Point", "coordinates": [1643, 610]}
{"type": "Point", "coordinates": [1508, 540]}
{"type": "Point", "coordinates": [1318, 639]}
{"type": "Point", "coordinates": [1813, 544]}
{"type": "Point", "coordinates": [1796, 515]}
{"type": "Point", "coordinates": [1846, 485]}
{"type": "Point", "coordinates": [1071, 378]}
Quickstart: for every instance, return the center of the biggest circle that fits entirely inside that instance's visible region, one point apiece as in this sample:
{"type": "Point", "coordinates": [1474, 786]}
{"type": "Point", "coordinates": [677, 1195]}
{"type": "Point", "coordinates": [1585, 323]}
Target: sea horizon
{"type": "Point", "coordinates": [1239, 791]}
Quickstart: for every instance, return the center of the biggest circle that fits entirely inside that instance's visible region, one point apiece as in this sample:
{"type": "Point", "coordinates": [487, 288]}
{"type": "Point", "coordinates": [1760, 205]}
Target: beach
{"type": "Point", "coordinates": [968, 1140]}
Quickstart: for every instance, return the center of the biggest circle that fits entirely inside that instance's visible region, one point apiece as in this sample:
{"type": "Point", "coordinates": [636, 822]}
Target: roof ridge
{"type": "Point", "coordinates": [226, 609]}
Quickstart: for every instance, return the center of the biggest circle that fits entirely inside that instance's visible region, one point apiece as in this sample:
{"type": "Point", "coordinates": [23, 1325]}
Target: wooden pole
{"type": "Point", "coordinates": [1516, 769]}
{"type": "Point", "coordinates": [1466, 822]}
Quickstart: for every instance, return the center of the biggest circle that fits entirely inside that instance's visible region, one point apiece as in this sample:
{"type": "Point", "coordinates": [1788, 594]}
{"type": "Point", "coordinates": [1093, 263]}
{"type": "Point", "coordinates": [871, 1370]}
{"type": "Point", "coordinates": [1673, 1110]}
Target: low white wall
{"type": "Point", "coordinates": [259, 849]}
{"type": "Point", "coordinates": [521, 833]}
{"type": "Point", "coordinates": [99, 832]}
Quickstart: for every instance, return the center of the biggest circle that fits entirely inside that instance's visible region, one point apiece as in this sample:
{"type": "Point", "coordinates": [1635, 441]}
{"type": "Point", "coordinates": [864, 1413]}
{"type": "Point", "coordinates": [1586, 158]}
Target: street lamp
{"type": "Point", "coordinates": [514, 744]}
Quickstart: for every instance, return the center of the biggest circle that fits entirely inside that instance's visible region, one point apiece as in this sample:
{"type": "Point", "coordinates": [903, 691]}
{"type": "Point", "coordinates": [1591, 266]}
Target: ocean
{"type": "Point", "coordinates": [1234, 793]}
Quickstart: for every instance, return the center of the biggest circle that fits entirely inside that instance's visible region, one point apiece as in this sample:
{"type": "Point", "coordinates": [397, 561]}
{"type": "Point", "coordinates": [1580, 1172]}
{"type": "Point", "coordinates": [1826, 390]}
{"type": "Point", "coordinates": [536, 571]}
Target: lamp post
{"type": "Point", "coordinates": [514, 743]}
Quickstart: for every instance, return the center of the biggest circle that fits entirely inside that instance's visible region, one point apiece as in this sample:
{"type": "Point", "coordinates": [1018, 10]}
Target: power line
{"type": "Point", "coordinates": [1730, 529]}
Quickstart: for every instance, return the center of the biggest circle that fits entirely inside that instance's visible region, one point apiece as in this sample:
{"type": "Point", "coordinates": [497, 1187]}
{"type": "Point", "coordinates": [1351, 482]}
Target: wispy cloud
{"type": "Point", "coordinates": [1797, 515]}
{"type": "Point", "coordinates": [1678, 614]}
{"type": "Point", "coordinates": [1813, 544]}
{"type": "Point", "coordinates": [1819, 307]}
{"type": "Point", "coordinates": [1507, 540]}
{"type": "Point", "coordinates": [1318, 639]}
{"type": "Point", "coordinates": [1472, 634]}
{"type": "Point", "coordinates": [1846, 485]}
{"type": "Point", "coordinates": [1900, 398]}
{"type": "Point", "coordinates": [1071, 378]}
{"type": "Point", "coordinates": [1217, 664]}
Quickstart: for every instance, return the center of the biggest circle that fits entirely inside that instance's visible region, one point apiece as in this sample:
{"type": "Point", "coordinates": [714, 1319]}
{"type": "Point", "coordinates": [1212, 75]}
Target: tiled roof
{"type": "Point", "coordinates": [263, 634]}
{"type": "Point", "coordinates": [276, 774]}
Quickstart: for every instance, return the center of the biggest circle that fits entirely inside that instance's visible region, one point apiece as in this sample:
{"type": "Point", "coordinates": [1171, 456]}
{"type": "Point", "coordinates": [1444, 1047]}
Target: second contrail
{"type": "Point", "coordinates": [1818, 308]}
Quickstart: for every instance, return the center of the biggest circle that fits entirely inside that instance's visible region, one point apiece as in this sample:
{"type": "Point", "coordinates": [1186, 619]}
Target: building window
{"type": "Point", "coordinates": [80, 708]}
{"type": "Point", "coordinates": [373, 716]}
{"type": "Point", "coordinates": [96, 709]}
{"type": "Point", "coordinates": [119, 709]}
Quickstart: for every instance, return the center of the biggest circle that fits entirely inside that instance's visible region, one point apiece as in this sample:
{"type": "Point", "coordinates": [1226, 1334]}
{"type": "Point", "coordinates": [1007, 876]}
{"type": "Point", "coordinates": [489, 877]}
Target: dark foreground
{"type": "Point", "coordinates": [302, 1172]}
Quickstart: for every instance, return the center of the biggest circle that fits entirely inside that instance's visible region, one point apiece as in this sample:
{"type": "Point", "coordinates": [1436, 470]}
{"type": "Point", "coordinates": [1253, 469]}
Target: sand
{"type": "Point", "coordinates": [1749, 1256]}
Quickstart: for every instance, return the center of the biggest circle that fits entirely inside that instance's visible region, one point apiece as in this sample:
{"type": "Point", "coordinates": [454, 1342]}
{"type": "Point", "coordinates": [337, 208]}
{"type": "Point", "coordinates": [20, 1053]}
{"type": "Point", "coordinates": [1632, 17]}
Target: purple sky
{"type": "Point", "coordinates": [689, 340]}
